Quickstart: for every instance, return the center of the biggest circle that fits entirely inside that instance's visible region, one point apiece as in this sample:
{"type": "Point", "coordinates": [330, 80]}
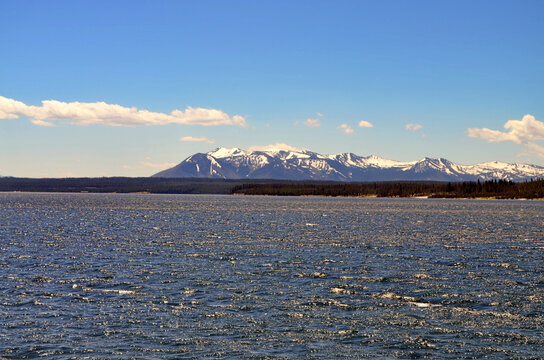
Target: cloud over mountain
{"type": "Point", "coordinates": [80, 113]}
{"type": "Point", "coordinates": [525, 131]}
{"type": "Point", "coordinates": [518, 131]}
{"type": "Point", "coordinates": [274, 147]}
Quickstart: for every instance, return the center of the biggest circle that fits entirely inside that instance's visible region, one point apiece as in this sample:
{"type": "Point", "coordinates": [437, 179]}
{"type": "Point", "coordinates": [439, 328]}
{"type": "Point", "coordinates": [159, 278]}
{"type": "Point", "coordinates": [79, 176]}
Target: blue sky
{"type": "Point", "coordinates": [259, 72]}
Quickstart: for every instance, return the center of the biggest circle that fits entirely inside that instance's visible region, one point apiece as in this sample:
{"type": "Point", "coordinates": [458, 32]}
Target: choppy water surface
{"type": "Point", "coordinates": [155, 276]}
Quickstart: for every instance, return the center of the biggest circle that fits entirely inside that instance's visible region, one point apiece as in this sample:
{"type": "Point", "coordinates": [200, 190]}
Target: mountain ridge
{"type": "Point", "coordinates": [290, 164]}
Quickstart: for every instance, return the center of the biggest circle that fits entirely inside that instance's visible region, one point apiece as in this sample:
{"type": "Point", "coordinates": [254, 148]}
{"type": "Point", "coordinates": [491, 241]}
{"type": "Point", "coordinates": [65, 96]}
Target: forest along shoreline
{"type": "Point", "coordinates": [492, 189]}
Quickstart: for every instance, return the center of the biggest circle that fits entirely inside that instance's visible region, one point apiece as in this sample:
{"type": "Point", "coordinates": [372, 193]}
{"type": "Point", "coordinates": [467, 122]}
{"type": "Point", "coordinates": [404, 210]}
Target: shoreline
{"type": "Point", "coordinates": [419, 197]}
{"type": "Point", "coordinates": [497, 190]}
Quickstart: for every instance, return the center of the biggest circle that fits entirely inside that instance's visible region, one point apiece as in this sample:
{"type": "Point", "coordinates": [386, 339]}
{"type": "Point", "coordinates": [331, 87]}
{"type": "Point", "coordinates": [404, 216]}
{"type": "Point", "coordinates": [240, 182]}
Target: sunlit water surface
{"type": "Point", "coordinates": [174, 276]}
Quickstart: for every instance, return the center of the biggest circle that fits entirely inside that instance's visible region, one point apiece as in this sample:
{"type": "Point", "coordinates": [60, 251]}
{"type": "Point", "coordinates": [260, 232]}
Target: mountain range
{"type": "Point", "coordinates": [289, 164]}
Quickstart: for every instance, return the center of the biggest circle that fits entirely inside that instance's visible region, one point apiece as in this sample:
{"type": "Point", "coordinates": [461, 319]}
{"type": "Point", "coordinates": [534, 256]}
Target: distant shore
{"type": "Point", "coordinates": [493, 189]}
{"type": "Point", "coordinates": [501, 189]}
{"type": "Point", "coordinates": [408, 197]}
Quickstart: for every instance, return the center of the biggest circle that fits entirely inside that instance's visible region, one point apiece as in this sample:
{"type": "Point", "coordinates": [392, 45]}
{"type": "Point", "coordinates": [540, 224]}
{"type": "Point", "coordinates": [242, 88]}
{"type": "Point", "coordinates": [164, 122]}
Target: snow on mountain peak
{"type": "Point", "coordinates": [386, 163]}
{"type": "Point", "coordinates": [281, 161]}
{"type": "Point", "coordinates": [283, 151]}
{"type": "Point", "coordinates": [496, 165]}
{"type": "Point", "coordinates": [275, 148]}
{"type": "Point", "coordinates": [222, 152]}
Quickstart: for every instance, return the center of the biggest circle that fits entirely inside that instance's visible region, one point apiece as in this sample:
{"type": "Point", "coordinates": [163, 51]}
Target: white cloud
{"type": "Point", "coordinates": [272, 147]}
{"type": "Point", "coordinates": [525, 132]}
{"type": "Point", "coordinates": [365, 124]}
{"type": "Point", "coordinates": [519, 131]}
{"type": "Point", "coordinates": [197, 139]}
{"type": "Point", "coordinates": [413, 127]}
{"type": "Point", "coordinates": [489, 135]}
{"type": "Point", "coordinates": [536, 149]}
{"type": "Point", "coordinates": [11, 109]}
{"type": "Point", "coordinates": [41, 122]}
{"type": "Point", "coordinates": [312, 123]}
{"type": "Point", "coordinates": [112, 115]}
{"type": "Point", "coordinates": [346, 129]}
{"type": "Point", "coordinates": [148, 164]}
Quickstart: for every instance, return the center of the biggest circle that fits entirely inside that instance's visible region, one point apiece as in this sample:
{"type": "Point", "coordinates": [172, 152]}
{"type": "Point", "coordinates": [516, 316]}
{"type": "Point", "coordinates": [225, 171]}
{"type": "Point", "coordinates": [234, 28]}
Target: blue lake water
{"type": "Point", "coordinates": [180, 276]}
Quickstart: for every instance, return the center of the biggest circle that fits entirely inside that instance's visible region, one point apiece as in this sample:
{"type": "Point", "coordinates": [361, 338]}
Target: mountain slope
{"type": "Point", "coordinates": [224, 163]}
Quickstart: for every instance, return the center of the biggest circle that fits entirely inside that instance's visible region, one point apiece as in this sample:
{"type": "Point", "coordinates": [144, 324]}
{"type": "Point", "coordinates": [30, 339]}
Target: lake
{"type": "Point", "coordinates": [184, 276]}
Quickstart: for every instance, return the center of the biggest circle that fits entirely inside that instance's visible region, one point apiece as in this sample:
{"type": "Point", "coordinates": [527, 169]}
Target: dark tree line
{"type": "Point", "coordinates": [119, 185]}
{"type": "Point", "coordinates": [500, 189]}
{"type": "Point", "coordinates": [487, 189]}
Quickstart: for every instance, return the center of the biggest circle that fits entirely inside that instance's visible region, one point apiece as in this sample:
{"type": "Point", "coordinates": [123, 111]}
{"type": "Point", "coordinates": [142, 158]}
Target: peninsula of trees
{"type": "Point", "coordinates": [495, 189]}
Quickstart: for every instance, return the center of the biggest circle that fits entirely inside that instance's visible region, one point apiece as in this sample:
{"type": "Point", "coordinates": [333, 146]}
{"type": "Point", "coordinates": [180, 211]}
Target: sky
{"type": "Point", "coordinates": [129, 88]}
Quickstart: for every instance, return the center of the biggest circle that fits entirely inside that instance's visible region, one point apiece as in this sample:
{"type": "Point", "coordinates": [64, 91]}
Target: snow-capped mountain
{"type": "Point", "coordinates": [224, 163]}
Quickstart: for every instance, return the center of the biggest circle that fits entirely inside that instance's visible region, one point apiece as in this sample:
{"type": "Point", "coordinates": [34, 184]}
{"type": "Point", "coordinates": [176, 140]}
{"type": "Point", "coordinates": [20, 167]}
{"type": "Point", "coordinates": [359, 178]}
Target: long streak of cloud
{"type": "Point", "coordinates": [80, 113]}
{"type": "Point", "coordinates": [148, 164]}
{"type": "Point", "coordinates": [197, 139]}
